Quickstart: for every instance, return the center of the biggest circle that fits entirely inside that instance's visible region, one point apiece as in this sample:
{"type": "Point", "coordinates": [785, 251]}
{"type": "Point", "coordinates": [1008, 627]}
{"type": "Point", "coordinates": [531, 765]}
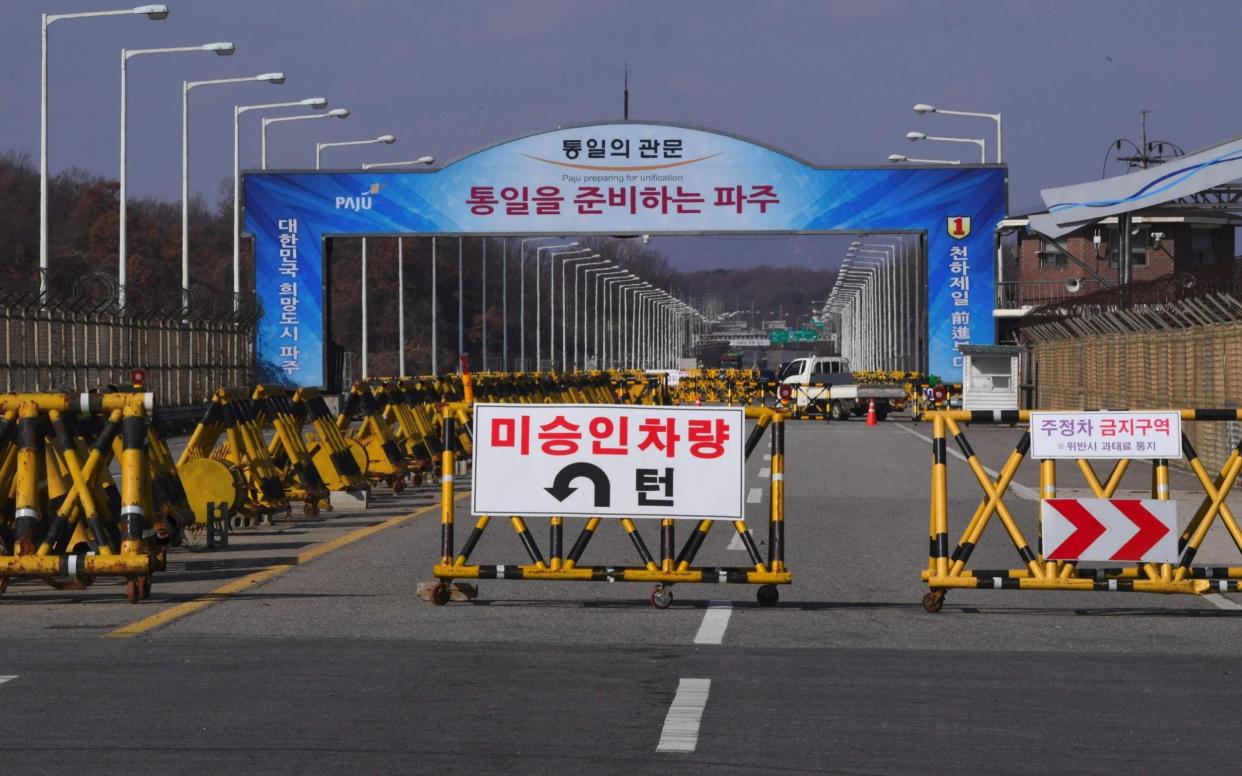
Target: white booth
{"type": "Point", "coordinates": [989, 377]}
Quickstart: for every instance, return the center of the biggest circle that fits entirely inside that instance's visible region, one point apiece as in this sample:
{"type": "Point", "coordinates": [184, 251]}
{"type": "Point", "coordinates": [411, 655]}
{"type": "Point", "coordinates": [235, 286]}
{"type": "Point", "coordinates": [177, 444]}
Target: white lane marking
{"type": "Point", "coordinates": [715, 621]}
{"type": "Point", "coordinates": [681, 725]}
{"type": "Point", "coordinates": [765, 472]}
{"type": "Point", "coordinates": [736, 542]}
{"type": "Point", "coordinates": [1021, 491]}
{"type": "Point", "coordinates": [7, 678]}
{"type": "Point", "coordinates": [755, 496]}
{"type": "Point", "coordinates": [1220, 602]}
{"type": "Point", "coordinates": [767, 456]}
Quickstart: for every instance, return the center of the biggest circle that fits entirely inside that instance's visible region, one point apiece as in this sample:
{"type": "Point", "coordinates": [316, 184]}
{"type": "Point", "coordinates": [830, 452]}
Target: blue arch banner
{"type": "Point", "coordinates": [614, 179]}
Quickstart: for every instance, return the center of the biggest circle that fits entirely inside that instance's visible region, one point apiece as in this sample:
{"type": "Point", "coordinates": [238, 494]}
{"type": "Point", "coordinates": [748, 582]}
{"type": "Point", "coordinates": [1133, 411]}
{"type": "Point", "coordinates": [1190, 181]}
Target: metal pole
{"type": "Point", "coordinates": [43, 230]}
{"type": "Point", "coordinates": [435, 313]}
{"type": "Point", "coordinates": [483, 304]}
{"type": "Point", "coordinates": [185, 193]}
{"type": "Point", "coordinates": [461, 321]}
{"type": "Point", "coordinates": [237, 209]}
{"type": "Point", "coordinates": [122, 250]}
{"type": "Point", "coordinates": [364, 309]}
{"type": "Point", "coordinates": [401, 306]}
{"type": "Point", "coordinates": [522, 305]}
{"type": "Point", "coordinates": [504, 305]}
{"type": "Point", "coordinates": [998, 138]}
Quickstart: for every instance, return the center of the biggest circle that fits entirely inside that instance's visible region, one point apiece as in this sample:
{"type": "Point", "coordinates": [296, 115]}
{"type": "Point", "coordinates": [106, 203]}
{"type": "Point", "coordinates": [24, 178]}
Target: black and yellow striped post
{"type": "Point", "coordinates": [776, 512]}
{"type": "Point", "coordinates": [27, 509]}
{"type": "Point", "coordinates": [580, 544]}
{"type": "Point", "coordinates": [447, 462]}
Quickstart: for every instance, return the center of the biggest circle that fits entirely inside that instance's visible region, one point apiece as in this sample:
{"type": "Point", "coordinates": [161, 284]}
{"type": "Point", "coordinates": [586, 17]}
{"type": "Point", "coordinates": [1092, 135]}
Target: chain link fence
{"type": "Point", "coordinates": [78, 339]}
{"type": "Point", "coordinates": [1175, 342]}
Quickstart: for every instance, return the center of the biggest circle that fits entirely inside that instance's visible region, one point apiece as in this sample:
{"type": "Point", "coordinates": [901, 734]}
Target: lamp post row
{"type": "Point", "coordinates": [157, 12]}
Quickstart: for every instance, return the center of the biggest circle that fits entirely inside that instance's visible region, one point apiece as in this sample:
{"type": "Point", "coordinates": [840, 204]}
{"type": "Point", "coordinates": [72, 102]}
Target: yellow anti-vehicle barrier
{"type": "Point", "coordinates": [272, 406]}
{"type": "Point", "coordinates": [672, 565]}
{"type": "Point", "coordinates": [385, 461]}
{"type": "Point", "coordinates": [948, 570]}
{"type": "Point", "coordinates": [229, 414]}
{"type": "Point", "coordinates": [68, 523]}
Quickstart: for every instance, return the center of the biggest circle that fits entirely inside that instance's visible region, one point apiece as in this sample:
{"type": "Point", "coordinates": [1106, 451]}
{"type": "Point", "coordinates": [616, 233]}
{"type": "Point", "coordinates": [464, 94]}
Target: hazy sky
{"type": "Point", "coordinates": [830, 82]}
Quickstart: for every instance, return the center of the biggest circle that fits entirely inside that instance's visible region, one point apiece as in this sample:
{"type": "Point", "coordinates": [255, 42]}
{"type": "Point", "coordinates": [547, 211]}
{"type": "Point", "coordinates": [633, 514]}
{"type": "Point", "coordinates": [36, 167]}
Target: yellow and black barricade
{"type": "Point", "coordinates": [69, 522]}
{"type": "Point", "coordinates": [948, 570]}
{"type": "Point", "coordinates": [671, 567]}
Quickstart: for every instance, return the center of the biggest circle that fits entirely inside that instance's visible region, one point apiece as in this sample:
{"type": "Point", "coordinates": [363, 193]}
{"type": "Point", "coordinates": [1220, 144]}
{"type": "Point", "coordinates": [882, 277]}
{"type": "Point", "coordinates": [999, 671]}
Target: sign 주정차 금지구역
{"type": "Point", "coordinates": [1106, 434]}
{"type": "Point", "coordinates": [601, 460]}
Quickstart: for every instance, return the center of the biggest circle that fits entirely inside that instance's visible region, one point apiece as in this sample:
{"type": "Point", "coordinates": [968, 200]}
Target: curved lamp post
{"type": "Point", "coordinates": [222, 48]}
{"type": "Point", "coordinates": [153, 12]}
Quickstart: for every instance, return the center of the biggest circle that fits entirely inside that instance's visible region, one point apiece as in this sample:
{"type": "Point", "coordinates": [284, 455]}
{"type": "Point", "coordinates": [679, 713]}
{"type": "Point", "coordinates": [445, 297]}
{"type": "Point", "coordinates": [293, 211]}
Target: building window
{"type": "Point", "coordinates": [1140, 241]}
{"type": "Point", "coordinates": [1049, 255]}
{"type": "Point", "coordinates": [1202, 247]}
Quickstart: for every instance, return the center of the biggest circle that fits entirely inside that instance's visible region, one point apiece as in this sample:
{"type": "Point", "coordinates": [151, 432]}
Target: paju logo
{"type": "Point", "coordinates": [361, 202]}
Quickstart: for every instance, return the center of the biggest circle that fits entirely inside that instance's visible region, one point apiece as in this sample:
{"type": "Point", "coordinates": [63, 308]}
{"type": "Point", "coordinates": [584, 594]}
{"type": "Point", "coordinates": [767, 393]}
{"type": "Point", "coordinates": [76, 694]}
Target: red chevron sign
{"type": "Point", "coordinates": [1118, 529]}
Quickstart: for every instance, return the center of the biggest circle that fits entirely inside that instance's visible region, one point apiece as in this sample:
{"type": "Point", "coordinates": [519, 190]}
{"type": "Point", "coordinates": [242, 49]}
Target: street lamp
{"type": "Point", "coordinates": [627, 328]}
{"type": "Point", "coordinates": [586, 274]}
{"type": "Point", "coordinates": [564, 292]}
{"type": "Point", "coordinates": [610, 317]}
{"type": "Point", "coordinates": [400, 269]}
{"type": "Point", "coordinates": [895, 158]}
{"type": "Point", "coordinates": [981, 142]}
{"type": "Point", "coordinates": [310, 102]}
{"type": "Point", "coordinates": [539, 294]}
{"type": "Point", "coordinates": [186, 86]}
{"type": "Point", "coordinates": [386, 139]}
{"type": "Point", "coordinates": [604, 268]}
{"type": "Point", "coordinates": [223, 48]}
{"type": "Point", "coordinates": [335, 113]}
{"type": "Point", "coordinates": [522, 291]}
{"type": "Point", "coordinates": [152, 12]}
{"type": "Point", "coordinates": [922, 108]}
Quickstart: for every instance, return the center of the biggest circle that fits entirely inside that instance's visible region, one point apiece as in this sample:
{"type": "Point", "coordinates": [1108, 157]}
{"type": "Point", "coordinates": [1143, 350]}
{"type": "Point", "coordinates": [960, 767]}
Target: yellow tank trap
{"type": "Point", "coordinates": [736, 387]}
{"type": "Point", "coordinates": [412, 407]}
{"type": "Point", "coordinates": [272, 407]}
{"type": "Point", "coordinates": [340, 462]}
{"type": "Point", "coordinates": [62, 517]}
{"type": "Point", "coordinates": [385, 461]}
{"type": "Point", "coordinates": [229, 414]}
{"type": "Point", "coordinates": [671, 567]}
{"type": "Point", "coordinates": [948, 570]}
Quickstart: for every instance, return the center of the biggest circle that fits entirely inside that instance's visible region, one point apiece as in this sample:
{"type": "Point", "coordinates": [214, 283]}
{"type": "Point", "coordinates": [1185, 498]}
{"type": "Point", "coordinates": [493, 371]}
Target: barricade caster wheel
{"type": "Point", "coordinates": [661, 597]}
{"type": "Point", "coordinates": [4, 584]}
{"type": "Point", "coordinates": [767, 595]}
{"type": "Point", "coordinates": [934, 601]}
{"type": "Point", "coordinates": [144, 586]}
{"type": "Point", "coordinates": [440, 594]}
{"type": "Point", "coordinates": [133, 592]}
{"type": "Point", "coordinates": [397, 484]}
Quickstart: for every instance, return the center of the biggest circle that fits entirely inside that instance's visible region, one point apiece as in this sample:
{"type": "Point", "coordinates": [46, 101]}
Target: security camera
{"type": "Point", "coordinates": [1157, 236]}
{"type": "Point", "coordinates": [1073, 285]}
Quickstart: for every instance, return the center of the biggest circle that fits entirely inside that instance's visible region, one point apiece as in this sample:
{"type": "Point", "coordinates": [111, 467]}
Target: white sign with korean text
{"type": "Point", "coordinates": [606, 460]}
{"type": "Point", "coordinates": [1106, 434]}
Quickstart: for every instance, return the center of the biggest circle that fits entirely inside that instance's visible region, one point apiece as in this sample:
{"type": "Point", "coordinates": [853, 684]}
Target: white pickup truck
{"type": "Point", "coordinates": [825, 385]}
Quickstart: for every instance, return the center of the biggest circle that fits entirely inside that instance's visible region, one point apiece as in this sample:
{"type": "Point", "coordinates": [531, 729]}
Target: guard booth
{"type": "Point", "coordinates": [989, 377]}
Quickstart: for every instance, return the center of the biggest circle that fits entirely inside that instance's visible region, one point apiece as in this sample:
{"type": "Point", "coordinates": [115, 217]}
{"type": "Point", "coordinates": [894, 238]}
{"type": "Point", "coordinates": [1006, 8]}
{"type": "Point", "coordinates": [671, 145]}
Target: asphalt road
{"type": "Point", "coordinates": [331, 665]}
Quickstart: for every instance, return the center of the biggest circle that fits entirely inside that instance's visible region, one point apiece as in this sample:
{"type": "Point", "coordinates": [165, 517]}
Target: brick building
{"type": "Point", "coordinates": [1035, 270]}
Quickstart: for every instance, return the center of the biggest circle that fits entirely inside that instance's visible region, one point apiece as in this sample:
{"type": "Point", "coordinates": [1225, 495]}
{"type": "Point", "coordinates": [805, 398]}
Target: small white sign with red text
{"type": "Point", "coordinates": [1118, 529]}
{"type": "Point", "coordinates": [1106, 434]}
{"type": "Point", "coordinates": [607, 460]}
